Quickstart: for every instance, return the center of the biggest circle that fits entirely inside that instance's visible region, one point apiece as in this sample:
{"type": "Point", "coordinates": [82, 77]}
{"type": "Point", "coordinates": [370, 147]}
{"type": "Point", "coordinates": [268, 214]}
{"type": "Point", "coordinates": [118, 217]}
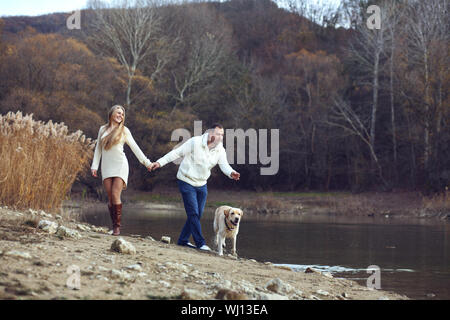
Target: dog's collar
{"type": "Point", "coordinates": [226, 224]}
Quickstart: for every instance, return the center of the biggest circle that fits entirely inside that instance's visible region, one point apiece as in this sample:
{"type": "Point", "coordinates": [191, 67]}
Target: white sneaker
{"type": "Point", "coordinates": [205, 248]}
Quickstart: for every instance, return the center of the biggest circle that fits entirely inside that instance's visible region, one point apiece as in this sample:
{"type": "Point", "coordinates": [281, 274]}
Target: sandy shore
{"type": "Point", "coordinates": [77, 263]}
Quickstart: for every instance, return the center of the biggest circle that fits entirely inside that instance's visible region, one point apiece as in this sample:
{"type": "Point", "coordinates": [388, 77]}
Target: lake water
{"type": "Point", "coordinates": [414, 259]}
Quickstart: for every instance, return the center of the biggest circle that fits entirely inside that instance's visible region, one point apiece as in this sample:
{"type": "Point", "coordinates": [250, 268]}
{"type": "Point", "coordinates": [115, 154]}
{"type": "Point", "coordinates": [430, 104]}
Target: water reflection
{"type": "Point", "coordinates": [414, 259]}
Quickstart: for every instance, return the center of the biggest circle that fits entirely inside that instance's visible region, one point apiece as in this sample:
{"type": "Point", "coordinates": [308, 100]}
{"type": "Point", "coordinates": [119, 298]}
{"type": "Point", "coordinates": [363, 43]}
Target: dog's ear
{"type": "Point", "coordinates": [226, 212]}
{"type": "Point", "coordinates": [242, 212]}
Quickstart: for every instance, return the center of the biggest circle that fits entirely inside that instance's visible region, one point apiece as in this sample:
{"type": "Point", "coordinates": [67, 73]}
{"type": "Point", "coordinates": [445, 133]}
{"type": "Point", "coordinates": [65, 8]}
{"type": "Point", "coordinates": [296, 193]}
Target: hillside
{"type": "Point", "coordinates": [356, 109]}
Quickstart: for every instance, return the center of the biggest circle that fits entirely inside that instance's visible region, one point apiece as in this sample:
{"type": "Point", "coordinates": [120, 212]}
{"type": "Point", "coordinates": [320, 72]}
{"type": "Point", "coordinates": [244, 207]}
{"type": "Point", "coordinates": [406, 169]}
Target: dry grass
{"type": "Point", "coordinates": [438, 203]}
{"type": "Point", "coordinates": [267, 203]}
{"type": "Point", "coordinates": [352, 205]}
{"type": "Point", "coordinates": [39, 161]}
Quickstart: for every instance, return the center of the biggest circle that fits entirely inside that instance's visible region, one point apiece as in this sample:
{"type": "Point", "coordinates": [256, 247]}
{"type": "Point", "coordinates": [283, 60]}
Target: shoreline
{"type": "Point", "coordinates": [35, 262]}
{"type": "Point", "coordinates": [402, 207]}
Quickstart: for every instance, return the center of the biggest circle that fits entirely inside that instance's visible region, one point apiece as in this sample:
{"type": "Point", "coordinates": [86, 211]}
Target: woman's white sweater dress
{"type": "Point", "coordinates": [113, 161]}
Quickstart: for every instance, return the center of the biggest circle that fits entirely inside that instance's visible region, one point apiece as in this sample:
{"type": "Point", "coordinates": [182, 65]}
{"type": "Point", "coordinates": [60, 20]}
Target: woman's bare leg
{"type": "Point", "coordinates": [107, 183]}
{"type": "Point", "coordinates": [116, 190]}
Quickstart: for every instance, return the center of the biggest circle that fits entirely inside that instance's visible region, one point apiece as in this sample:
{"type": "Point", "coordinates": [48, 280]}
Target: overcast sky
{"type": "Point", "coordinates": [39, 7]}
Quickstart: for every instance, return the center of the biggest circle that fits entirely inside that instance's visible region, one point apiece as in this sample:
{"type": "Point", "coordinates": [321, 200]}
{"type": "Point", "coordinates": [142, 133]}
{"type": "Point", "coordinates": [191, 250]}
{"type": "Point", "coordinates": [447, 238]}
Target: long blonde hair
{"type": "Point", "coordinates": [116, 134]}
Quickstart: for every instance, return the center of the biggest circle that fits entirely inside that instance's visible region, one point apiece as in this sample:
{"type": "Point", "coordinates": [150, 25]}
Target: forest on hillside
{"type": "Point", "coordinates": [357, 108]}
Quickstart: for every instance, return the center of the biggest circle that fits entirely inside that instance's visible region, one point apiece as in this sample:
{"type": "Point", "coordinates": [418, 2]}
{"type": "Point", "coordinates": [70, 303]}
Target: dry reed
{"type": "Point", "coordinates": [438, 203]}
{"type": "Point", "coordinates": [39, 161]}
{"type": "Point", "coordinates": [265, 204]}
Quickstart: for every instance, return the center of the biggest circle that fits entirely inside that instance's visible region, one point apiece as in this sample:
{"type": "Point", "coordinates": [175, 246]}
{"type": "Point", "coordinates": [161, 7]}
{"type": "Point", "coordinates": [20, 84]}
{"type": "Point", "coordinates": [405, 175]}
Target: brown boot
{"type": "Point", "coordinates": [117, 208]}
{"type": "Point", "coordinates": [111, 214]}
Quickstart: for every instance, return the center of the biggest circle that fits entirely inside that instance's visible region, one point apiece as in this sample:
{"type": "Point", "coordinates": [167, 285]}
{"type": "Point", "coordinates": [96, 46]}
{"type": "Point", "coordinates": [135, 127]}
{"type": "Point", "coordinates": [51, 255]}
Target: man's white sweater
{"type": "Point", "coordinates": [198, 160]}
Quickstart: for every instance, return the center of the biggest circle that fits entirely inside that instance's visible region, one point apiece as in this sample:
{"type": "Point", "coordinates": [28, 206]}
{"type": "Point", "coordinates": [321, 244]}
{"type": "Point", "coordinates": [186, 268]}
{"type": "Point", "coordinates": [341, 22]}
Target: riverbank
{"type": "Point", "coordinates": [36, 257]}
{"type": "Point", "coordinates": [375, 205]}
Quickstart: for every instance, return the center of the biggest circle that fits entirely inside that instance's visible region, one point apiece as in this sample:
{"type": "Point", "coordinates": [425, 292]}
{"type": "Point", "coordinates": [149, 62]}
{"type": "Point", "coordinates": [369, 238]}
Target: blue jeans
{"type": "Point", "coordinates": [194, 199]}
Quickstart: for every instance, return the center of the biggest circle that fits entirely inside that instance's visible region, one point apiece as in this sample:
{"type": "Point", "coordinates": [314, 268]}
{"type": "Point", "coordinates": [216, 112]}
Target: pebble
{"type": "Point", "coordinates": [122, 246]}
{"type": "Point", "coordinates": [275, 285]}
{"type": "Point", "coordinates": [99, 229]}
{"type": "Point", "coordinates": [119, 274]}
{"type": "Point", "coordinates": [135, 267]}
{"type": "Point", "coordinates": [271, 296]}
{"type": "Point", "coordinates": [83, 227]}
{"type": "Point", "coordinates": [48, 226]}
{"type": "Point", "coordinates": [64, 232]}
{"type": "Point", "coordinates": [278, 286]}
{"type": "Point", "coordinates": [18, 254]}
{"type": "Point", "coordinates": [227, 294]}
{"type": "Point", "coordinates": [165, 239]}
{"type": "Point", "coordinates": [323, 292]}
{"type": "Point", "coordinates": [191, 294]}
{"type": "Point", "coordinates": [164, 283]}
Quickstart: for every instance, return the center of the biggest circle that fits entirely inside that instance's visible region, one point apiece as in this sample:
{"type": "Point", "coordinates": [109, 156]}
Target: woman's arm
{"type": "Point", "coordinates": [136, 150]}
{"type": "Point", "coordinates": [97, 153]}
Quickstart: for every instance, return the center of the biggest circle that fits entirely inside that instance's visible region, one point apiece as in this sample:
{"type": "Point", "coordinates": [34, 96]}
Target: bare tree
{"type": "Point", "coordinates": [344, 117]}
{"type": "Point", "coordinates": [130, 31]}
{"type": "Point", "coordinates": [319, 12]}
{"type": "Point", "coordinates": [368, 50]}
{"type": "Point", "coordinates": [351, 13]}
{"type": "Point", "coordinates": [394, 14]}
{"type": "Point", "coordinates": [427, 26]}
{"type": "Point", "coordinates": [207, 42]}
{"type": "Point", "coordinates": [204, 60]}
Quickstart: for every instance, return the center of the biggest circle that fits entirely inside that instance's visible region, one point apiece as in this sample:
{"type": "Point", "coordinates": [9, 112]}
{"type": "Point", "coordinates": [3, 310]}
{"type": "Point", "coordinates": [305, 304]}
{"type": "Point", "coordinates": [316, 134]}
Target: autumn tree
{"type": "Point", "coordinates": [57, 78]}
{"type": "Point", "coordinates": [130, 31]}
{"type": "Point", "coordinates": [313, 80]}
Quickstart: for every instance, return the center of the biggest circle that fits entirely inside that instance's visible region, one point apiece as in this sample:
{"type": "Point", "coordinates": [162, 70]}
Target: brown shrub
{"type": "Point", "coordinates": [39, 161]}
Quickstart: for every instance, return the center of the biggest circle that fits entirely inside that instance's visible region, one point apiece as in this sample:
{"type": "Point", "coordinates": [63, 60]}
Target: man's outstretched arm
{"type": "Point", "coordinates": [226, 168]}
{"type": "Point", "coordinates": [179, 152]}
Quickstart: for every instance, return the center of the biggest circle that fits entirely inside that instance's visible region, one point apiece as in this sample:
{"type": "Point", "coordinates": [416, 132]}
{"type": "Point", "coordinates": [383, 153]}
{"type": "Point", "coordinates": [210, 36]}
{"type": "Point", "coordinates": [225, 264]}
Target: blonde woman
{"type": "Point", "coordinates": [114, 165]}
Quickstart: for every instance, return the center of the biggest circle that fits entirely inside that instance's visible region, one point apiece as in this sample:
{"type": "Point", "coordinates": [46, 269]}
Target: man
{"type": "Point", "coordinates": [200, 154]}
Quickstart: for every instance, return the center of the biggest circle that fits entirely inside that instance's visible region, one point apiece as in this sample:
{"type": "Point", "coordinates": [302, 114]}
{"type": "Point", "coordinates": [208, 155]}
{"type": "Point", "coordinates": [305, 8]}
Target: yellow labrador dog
{"type": "Point", "coordinates": [226, 225]}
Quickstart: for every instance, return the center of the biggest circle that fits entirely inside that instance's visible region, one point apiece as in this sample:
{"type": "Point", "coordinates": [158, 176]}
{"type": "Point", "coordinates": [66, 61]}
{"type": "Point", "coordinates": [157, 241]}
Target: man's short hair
{"type": "Point", "coordinates": [216, 125]}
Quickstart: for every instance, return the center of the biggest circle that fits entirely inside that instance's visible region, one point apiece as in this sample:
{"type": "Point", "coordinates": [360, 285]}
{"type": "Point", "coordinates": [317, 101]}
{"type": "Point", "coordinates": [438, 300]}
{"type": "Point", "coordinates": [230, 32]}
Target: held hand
{"type": "Point", "coordinates": [94, 173]}
{"type": "Point", "coordinates": [235, 175]}
{"type": "Point", "coordinates": [154, 166]}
